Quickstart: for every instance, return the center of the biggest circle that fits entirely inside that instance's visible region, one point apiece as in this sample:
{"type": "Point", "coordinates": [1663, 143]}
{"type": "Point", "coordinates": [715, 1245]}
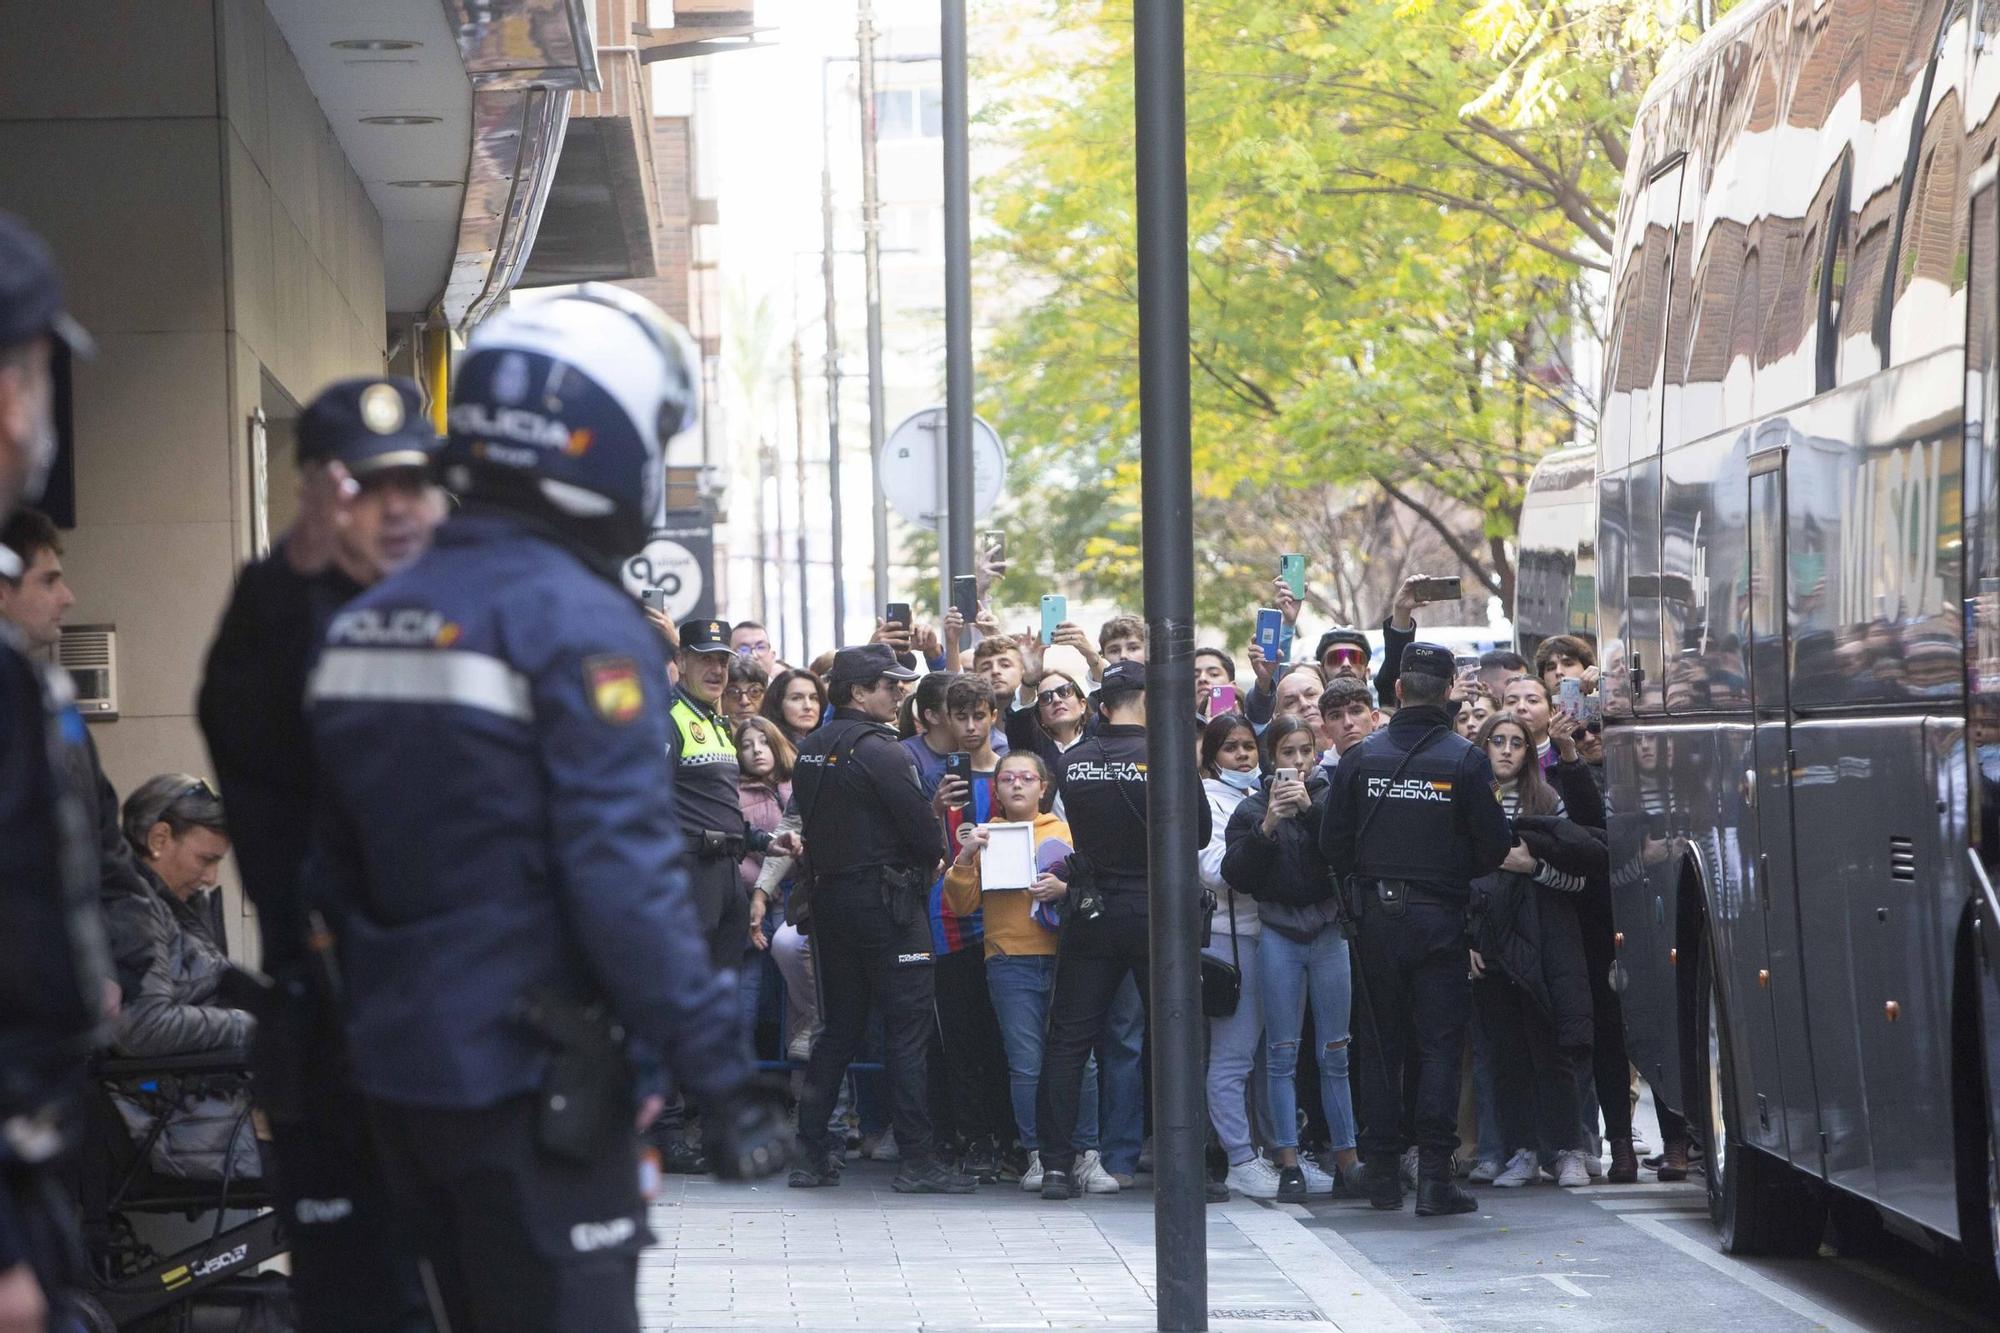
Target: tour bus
{"type": "Point", "coordinates": [1793, 575]}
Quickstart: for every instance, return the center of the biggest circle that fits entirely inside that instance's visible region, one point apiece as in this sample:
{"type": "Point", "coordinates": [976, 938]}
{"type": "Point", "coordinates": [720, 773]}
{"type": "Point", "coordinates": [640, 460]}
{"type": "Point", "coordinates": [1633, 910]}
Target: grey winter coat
{"type": "Point", "coordinates": [169, 965]}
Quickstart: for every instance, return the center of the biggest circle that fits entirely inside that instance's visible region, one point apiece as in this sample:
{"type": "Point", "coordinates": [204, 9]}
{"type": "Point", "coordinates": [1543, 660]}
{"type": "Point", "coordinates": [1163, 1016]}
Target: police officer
{"type": "Point", "coordinates": [874, 847]}
{"type": "Point", "coordinates": [367, 507]}
{"type": "Point", "coordinates": [54, 973]}
{"type": "Point", "coordinates": [711, 819]}
{"type": "Point", "coordinates": [496, 835]}
{"type": "Point", "coordinates": [1410, 821]}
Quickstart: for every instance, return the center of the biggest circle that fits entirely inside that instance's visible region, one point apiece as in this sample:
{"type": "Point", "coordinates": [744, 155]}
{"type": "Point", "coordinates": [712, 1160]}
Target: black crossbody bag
{"type": "Point", "coordinates": [1222, 983]}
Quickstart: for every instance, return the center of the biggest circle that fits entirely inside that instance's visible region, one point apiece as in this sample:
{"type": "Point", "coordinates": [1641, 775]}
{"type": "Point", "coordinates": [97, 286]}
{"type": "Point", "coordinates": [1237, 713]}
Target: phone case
{"type": "Point", "coordinates": [1270, 628]}
{"type": "Point", "coordinates": [1055, 610]}
{"type": "Point", "coordinates": [1292, 569]}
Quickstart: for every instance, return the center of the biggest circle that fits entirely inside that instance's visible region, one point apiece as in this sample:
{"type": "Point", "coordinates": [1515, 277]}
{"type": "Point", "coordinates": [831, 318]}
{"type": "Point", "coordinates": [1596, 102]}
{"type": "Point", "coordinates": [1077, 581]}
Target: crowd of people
{"type": "Point", "coordinates": [1026, 1062]}
{"type": "Point", "coordinates": [534, 877]}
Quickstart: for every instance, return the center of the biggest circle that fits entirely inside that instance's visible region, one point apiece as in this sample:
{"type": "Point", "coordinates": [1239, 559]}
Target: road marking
{"type": "Point", "coordinates": [1563, 1283]}
{"type": "Point", "coordinates": [1689, 1206]}
{"type": "Point", "coordinates": [1735, 1272]}
{"type": "Point", "coordinates": [1335, 1277]}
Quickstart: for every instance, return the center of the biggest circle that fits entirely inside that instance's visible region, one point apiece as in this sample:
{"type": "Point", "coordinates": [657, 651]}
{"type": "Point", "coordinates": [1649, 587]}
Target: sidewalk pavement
{"type": "Point", "coordinates": [862, 1256]}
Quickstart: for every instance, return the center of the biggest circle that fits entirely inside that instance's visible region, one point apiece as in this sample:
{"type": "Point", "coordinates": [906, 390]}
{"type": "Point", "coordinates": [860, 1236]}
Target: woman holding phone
{"type": "Point", "coordinates": [1231, 772]}
{"type": "Point", "coordinates": [1273, 856]}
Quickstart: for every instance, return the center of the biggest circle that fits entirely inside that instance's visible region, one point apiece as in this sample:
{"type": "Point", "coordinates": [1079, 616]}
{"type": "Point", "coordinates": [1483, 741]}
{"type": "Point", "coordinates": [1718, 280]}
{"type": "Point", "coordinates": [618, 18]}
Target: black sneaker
{"type": "Point", "coordinates": [1441, 1196]}
{"type": "Point", "coordinates": [1058, 1185]}
{"type": "Point", "coordinates": [1217, 1192]}
{"type": "Point", "coordinates": [981, 1161]}
{"type": "Point", "coordinates": [1291, 1185]}
{"type": "Point", "coordinates": [816, 1172]}
{"type": "Point", "coordinates": [1382, 1181]}
{"type": "Point", "coordinates": [931, 1177]}
{"type": "Point", "coordinates": [679, 1156]}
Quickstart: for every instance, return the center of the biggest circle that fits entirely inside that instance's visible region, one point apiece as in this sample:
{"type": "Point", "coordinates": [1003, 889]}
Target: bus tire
{"type": "Point", "coordinates": [1759, 1204]}
{"type": "Point", "coordinates": [1976, 1029]}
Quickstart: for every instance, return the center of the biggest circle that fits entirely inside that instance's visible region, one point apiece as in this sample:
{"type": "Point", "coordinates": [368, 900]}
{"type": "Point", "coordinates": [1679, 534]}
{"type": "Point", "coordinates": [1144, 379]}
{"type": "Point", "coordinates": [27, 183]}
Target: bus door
{"type": "Point", "coordinates": [1777, 982]}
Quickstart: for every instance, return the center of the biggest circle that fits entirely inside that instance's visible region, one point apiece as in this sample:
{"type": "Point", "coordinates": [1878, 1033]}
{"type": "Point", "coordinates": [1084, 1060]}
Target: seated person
{"type": "Point", "coordinates": [167, 944]}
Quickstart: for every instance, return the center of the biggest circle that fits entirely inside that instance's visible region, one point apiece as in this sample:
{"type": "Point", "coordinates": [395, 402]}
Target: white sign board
{"type": "Point", "coordinates": [913, 467]}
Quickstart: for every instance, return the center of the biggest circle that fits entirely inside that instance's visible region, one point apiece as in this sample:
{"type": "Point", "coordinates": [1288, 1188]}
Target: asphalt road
{"type": "Point", "coordinates": [1637, 1257]}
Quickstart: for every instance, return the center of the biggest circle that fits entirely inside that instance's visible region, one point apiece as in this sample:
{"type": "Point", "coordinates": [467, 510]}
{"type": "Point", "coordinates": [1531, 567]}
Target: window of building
{"type": "Point", "coordinates": [909, 113]}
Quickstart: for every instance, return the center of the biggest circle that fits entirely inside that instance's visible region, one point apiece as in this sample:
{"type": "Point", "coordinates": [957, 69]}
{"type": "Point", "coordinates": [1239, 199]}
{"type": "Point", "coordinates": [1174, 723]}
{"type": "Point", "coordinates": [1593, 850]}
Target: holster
{"type": "Point", "coordinates": [586, 1094]}
{"type": "Point", "coordinates": [904, 894]}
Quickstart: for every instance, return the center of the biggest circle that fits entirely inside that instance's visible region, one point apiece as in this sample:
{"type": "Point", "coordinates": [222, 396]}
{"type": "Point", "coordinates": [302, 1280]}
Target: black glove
{"type": "Point", "coordinates": [748, 1135]}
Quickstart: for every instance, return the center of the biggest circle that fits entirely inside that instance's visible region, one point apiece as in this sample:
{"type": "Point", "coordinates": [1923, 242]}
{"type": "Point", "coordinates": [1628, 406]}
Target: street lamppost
{"type": "Point", "coordinates": [1167, 551]}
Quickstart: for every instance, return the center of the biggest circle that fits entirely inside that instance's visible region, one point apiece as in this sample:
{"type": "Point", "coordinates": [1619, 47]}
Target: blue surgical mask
{"type": "Point", "coordinates": [1247, 781]}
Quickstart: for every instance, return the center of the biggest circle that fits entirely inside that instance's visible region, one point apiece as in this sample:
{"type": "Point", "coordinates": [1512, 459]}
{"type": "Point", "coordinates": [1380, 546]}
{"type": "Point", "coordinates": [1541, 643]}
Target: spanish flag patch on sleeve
{"type": "Point", "coordinates": [615, 691]}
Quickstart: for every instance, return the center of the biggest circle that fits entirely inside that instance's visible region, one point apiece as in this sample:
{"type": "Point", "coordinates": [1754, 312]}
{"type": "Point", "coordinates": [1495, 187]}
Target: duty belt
{"type": "Point", "coordinates": [1414, 894]}
{"type": "Point", "coordinates": [714, 845]}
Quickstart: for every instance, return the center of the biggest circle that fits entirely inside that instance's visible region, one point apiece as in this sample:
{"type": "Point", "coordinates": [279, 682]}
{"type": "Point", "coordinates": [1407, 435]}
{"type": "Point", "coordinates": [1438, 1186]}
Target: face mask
{"type": "Point", "coordinates": [1244, 782]}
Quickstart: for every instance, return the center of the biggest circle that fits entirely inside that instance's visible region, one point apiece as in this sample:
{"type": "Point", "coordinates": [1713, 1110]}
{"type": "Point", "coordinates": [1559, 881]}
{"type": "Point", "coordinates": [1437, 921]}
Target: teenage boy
{"type": "Point", "coordinates": [1122, 639]}
{"type": "Point", "coordinates": [933, 739]}
{"type": "Point", "coordinates": [1347, 717]}
{"type": "Point", "coordinates": [1000, 663]}
{"type": "Point", "coordinates": [967, 1047]}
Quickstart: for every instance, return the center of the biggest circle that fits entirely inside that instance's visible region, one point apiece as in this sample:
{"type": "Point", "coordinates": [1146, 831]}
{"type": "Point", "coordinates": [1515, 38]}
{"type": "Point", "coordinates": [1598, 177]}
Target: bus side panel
{"type": "Point", "coordinates": [1645, 903]}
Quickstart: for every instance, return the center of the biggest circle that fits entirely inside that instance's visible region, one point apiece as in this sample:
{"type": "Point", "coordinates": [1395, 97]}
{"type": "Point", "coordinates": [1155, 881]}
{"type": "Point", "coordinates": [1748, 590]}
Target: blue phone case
{"type": "Point", "coordinates": [1270, 629]}
{"type": "Point", "coordinates": [1054, 611]}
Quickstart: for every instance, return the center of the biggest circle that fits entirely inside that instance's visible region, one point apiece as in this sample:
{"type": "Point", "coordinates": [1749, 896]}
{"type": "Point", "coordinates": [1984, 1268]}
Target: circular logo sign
{"type": "Point", "coordinates": [671, 567]}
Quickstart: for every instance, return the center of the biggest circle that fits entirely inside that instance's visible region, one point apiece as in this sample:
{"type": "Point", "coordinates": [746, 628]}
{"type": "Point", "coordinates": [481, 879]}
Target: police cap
{"type": "Point", "coordinates": [1428, 659]}
{"type": "Point", "coordinates": [871, 661]}
{"type": "Point", "coordinates": [367, 424]}
{"type": "Point", "coordinates": [31, 296]}
{"type": "Point", "coordinates": [705, 636]}
{"type": "Point", "coordinates": [1122, 678]}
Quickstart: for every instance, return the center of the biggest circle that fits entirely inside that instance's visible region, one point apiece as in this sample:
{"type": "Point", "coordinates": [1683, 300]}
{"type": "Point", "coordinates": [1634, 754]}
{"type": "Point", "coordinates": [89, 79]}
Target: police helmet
{"type": "Point", "coordinates": [564, 407]}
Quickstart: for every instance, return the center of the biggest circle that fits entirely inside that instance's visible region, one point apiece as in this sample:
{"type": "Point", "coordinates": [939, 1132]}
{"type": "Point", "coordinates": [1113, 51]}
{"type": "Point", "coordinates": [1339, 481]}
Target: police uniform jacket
{"type": "Point", "coordinates": [490, 730]}
{"type": "Point", "coordinates": [51, 988]}
{"type": "Point", "coordinates": [705, 771]}
{"type": "Point", "coordinates": [1438, 825]}
{"type": "Point", "coordinates": [857, 791]}
{"type": "Point", "coordinates": [1102, 782]}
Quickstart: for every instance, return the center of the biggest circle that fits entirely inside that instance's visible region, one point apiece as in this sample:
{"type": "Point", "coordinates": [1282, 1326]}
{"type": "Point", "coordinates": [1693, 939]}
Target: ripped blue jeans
{"type": "Point", "coordinates": [1288, 975]}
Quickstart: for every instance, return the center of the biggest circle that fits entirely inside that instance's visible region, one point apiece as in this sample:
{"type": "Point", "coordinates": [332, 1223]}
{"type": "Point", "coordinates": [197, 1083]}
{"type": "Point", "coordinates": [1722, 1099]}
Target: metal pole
{"type": "Point", "coordinates": [871, 260]}
{"type": "Point", "coordinates": [832, 367]}
{"type": "Point", "coordinates": [1167, 527]}
{"type": "Point", "coordinates": [799, 461]}
{"type": "Point", "coordinates": [955, 555]}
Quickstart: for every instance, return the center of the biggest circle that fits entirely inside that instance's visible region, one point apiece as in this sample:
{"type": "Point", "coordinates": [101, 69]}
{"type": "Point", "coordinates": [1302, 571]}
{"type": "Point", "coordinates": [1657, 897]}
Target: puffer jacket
{"type": "Point", "coordinates": [170, 967]}
{"type": "Point", "coordinates": [1285, 872]}
{"type": "Point", "coordinates": [763, 808]}
{"type": "Point", "coordinates": [1531, 933]}
{"type": "Point", "coordinates": [1222, 802]}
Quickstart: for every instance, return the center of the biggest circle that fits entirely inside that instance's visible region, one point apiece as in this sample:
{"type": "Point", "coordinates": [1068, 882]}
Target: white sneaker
{"type": "Point", "coordinates": [1521, 1169]}
{"type": "Point", "coordinates": [1317, 1181]}
{"type": "Point", "coordinates": [1570, 1169]}
{"type": "Point", "coordinates": [1031, 1179]}
{"type": "Point", "coordinates": [1092, 1177]}
{"type": "Point", "coordinates": [1594, 1164]}
{"type": "Point", "coordinates": [1254, 1179]}
{"type": "Point", "coordinates": [1485, 1169]}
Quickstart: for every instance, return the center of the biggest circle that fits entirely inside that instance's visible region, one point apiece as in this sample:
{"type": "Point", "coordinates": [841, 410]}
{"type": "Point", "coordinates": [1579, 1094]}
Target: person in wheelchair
{"type": "Point", "coordinates": [166, 943]}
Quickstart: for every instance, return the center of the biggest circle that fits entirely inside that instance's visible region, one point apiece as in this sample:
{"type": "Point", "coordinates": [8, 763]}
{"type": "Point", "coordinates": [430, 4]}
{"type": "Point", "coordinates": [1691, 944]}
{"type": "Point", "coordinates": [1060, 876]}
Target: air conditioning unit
{"type": "Point", "coordinates": [90, 654]}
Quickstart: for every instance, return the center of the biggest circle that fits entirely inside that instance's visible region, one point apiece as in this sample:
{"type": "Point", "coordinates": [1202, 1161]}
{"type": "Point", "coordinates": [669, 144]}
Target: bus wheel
{"type": "Point", "coordinates": [1759, 1204]}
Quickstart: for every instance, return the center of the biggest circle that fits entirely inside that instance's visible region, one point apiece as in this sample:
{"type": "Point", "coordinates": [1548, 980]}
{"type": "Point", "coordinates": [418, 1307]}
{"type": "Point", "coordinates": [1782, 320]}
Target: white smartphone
{"type": "Point", "coordinates": [1288, 775]}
